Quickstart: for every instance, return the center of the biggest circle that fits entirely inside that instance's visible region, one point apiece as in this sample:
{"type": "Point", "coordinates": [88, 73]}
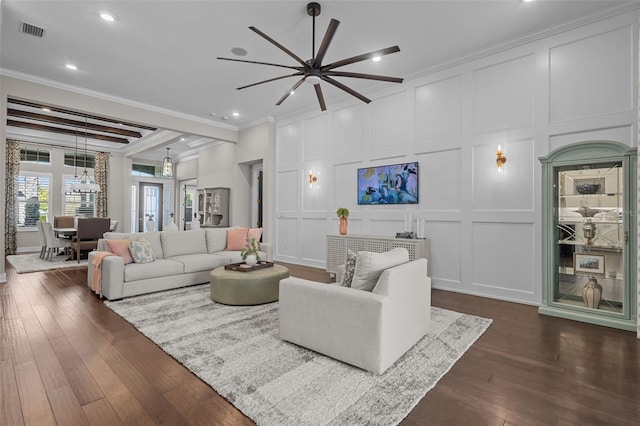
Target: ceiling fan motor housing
{"type": "Point", "coordinates": [313, 9]}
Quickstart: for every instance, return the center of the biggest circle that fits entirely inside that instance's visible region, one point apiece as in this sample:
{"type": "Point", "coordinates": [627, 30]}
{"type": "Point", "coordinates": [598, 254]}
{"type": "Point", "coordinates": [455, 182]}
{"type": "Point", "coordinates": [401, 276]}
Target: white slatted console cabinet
{"type": "Point", "coordinates": [337, 246]}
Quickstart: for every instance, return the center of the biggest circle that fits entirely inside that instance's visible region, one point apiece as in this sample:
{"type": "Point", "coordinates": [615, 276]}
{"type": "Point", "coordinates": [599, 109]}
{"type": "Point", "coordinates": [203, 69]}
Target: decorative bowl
{"type": "Point", "coordinates": [588, 188]}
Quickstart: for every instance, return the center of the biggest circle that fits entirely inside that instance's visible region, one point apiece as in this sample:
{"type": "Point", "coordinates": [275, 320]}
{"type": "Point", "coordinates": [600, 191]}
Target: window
{"type": "Point", "coordinates": [35, 155]}
{"type": "Point", "coordinates": [74, 159]}
{"type": "Point", "coordinates": [78, 204]}
{"type": "Point", "coordinates": [146, 170]}
{"type": "Point", "coordinates": [33, 199]}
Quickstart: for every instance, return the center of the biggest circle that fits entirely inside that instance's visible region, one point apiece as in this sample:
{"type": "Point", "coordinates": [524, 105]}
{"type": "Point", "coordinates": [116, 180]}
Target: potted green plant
{"type": "Point", "coordinates": [250, 252]}
{"type": "Point", "coordinates": [343, 214]}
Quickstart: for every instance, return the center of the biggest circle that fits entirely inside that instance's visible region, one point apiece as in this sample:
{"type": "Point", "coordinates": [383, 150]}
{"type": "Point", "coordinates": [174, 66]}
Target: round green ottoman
{"type": "Point", "coordinates": [246, 288]}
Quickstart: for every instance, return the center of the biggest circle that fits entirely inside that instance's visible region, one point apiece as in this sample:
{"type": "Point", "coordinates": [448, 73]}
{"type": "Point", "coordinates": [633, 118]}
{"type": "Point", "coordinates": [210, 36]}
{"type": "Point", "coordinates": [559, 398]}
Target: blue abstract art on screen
{"type": "Point", "coordinates": [393, 184]}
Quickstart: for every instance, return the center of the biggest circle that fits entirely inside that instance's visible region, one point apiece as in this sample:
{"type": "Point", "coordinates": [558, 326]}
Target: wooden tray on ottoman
{"type": "Point", "coordinates": [243, 267]}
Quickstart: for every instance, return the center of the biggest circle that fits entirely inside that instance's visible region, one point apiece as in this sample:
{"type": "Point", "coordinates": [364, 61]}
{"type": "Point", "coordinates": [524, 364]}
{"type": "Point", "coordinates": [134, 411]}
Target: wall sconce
{"type": "Point", "coordinates": [500, 159]}
{"type": "Point", "coordinates": [312, 179]}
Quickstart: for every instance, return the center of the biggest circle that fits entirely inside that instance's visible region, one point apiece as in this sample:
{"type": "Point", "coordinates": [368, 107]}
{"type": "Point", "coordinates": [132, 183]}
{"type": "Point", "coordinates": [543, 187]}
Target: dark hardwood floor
{"type": "Point", "coordinates": [67, 359]}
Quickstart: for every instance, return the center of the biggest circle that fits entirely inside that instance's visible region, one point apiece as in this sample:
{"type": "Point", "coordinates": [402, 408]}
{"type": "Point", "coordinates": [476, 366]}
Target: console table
{"type": "Point", "coordinates": [337, 246]}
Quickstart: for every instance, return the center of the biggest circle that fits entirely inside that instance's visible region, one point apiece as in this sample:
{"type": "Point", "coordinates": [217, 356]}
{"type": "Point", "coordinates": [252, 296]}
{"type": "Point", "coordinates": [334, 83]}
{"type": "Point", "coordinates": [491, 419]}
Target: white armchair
{"type": "Point", "coordinates": [370, 330]}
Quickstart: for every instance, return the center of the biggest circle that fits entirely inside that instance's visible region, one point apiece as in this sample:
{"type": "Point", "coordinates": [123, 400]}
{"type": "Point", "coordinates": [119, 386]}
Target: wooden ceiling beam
{"type": "Point", "coordinates": [76, 113]}
{"type": "Point", "coordinates": [73, 123]}
{"type": "Point", "coordinates": [44, 128]}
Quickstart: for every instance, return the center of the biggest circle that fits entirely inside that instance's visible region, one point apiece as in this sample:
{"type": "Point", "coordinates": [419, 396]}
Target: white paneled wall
{"type": "Point", "coordinates": [578, 68]}
{"type": "Point", "coordinates": [484, 227]}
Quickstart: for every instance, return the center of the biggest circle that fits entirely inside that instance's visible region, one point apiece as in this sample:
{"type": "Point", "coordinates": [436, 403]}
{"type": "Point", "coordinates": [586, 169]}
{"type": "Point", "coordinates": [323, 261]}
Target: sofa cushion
{"type": "Point", "coordinates": [159, 268]}
{"type": "Point", "coordinates": [153, 237]}
{"type": "Point", "coordinates": [229, 256]}
{"type": "Point", "coordinates": [216, 239]}
{"type": "Point", "coordinates": [369, 266]}
{"type": "Point", "coordinates": [237, 239]}
{"type": "Point", "coordinates": [200, 262]}
{"type": "Point", "coordinates": [121, 248]}
{"type": "Point", "coordinates": [236, 257]}
{"type": "Point", "coordinates": [182, 243]}
{"type": "Point", "coordinates": [141, 251]}
{"type": "Point", "coordinates": [254, 233]}
{"type": "Point", "coordinates": [349, 268]}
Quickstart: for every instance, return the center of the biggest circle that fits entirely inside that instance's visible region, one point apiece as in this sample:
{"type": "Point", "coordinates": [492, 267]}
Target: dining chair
{"type": "Point", "coordinates": [53, 243]}
{"type": "Point", "coordinates": [63, 222]}
{"type": "Point", "coordinates": [88, 232]}
{"type": "Point", "coordinates": [42, 239]}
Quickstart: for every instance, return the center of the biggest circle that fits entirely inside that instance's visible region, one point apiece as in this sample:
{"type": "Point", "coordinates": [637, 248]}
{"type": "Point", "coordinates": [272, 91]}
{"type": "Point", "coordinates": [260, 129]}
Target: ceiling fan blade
{"type": "Point", "coordinates": [294, 87]}
{"type": "Point", "coordinates": [320, 96]}
{"type": "Point", "coordinates": [345, 88]}
{"type": "Point", "coordinates": [363, 57]}
{"type": "Point", "coordinates": [279, 46]}
{"type": "Point", "coordinates": [271, 79]}
{"type": "Point", "coordinates": [366, 76]}
{"type": "Point", "coordinates": [261, 63]}
{"type": "Point", "coordinates": [326, 41]}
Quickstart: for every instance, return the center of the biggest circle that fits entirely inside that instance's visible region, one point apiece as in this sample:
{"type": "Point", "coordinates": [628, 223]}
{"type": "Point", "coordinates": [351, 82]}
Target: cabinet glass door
{"type": "Point", "coordinates": [591, 236]}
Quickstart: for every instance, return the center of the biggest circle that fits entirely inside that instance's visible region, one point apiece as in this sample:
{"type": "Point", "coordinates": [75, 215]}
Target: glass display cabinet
{"type": "Point", "coordinates": [589, 234]}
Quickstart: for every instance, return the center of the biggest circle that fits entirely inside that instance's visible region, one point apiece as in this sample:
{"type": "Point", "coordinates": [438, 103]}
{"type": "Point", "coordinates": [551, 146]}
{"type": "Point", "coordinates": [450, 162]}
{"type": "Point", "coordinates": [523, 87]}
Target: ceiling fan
{"type": "Point", "coordinates": [312, 71]}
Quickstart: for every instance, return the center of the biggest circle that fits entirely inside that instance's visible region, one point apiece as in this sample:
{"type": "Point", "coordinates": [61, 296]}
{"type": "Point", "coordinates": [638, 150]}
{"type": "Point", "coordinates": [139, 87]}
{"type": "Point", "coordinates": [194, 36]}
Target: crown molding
{"type": "Point", "coordinates": [267, 119]}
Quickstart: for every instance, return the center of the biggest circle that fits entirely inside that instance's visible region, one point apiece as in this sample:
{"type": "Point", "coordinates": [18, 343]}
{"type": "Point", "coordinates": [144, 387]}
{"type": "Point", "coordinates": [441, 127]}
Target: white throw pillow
{"type": "Point", "coordinates": [369, 266]}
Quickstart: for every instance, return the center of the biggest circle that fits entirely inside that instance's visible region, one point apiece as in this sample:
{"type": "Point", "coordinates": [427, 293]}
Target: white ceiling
{"type": "Point", "coordinates": [163, 53]}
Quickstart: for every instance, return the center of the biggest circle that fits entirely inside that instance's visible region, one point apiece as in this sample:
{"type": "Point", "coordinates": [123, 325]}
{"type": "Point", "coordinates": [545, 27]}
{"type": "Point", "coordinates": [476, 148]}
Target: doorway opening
{"type": "Point", "coordinates": [150, 202]}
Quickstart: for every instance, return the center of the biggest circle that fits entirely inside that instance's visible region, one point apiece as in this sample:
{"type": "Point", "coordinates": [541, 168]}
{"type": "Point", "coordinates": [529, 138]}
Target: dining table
{"type": "Point", "coordinates": [65, 232]}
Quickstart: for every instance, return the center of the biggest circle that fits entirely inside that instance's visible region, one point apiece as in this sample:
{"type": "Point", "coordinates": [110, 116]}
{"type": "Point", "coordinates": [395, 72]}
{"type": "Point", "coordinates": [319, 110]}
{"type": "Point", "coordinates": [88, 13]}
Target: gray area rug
{"type": "Point", "coordinates": [236, 350]}
{"type": "Point", "coordinates": [32, 263]}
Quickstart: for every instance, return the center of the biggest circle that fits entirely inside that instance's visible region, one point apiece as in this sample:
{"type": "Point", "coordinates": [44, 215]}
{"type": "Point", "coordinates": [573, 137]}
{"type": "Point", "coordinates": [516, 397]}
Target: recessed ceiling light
{"type": "Point", "coordinates": [239, 51]}
{"type": "Point", "coordinates": [107, 16]}
{"type": "Point", "coordinates": [376, 59]}
{"type": "Point", "coordinates": [224, 117]}
{"type": "Point", "coordinates": [46, 109]}
{"type": "Point", "coordinates": [71, 67]}
{"type": "Point", "coordinates": [236, 114]}
{"type": "Point", "coordinates": [213, 114]}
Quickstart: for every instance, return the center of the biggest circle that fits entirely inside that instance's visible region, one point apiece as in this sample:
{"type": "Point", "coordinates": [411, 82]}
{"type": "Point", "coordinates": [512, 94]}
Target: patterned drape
{"type": "Point", "coordinates": [101, 175]}
{"type": "Point", "coordinates": [11, 207]}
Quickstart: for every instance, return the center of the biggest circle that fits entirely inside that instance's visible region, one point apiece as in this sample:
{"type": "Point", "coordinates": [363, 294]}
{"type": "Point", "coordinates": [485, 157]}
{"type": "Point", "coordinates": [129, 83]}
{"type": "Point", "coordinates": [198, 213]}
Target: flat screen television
{"type": "Point", "coordinates": [392, 184]}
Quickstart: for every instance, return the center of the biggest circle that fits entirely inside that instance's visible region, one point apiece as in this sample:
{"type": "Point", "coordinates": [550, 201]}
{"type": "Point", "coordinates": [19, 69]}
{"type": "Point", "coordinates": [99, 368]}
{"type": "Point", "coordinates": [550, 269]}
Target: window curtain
{"type": "Point", "coordinates": [101, 175]}
{"type": "Point", "coordinates": [10, 196]}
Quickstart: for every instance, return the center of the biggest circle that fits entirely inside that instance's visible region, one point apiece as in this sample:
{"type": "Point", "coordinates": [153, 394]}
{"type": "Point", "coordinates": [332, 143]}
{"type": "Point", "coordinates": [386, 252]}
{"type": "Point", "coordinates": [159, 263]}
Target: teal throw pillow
{"type": "Point", "coordinates": [141, 251]}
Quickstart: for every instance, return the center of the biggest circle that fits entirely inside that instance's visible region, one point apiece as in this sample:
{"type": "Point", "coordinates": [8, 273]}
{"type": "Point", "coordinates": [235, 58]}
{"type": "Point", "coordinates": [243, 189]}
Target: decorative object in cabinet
{"type": "Point", "coordinates": [588, 239]}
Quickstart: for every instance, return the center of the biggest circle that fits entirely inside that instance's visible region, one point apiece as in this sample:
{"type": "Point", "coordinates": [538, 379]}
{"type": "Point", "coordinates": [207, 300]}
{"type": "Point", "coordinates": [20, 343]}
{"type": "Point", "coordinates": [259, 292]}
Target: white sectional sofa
{"type": "Point", "coordinates": [181, 259]}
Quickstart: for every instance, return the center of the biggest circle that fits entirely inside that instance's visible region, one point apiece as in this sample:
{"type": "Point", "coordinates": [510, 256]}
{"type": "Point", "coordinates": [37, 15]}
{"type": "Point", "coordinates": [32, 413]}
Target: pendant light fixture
{"type": "Point", "coordinates": [167, 166]}
{"type": "Point", "coordinates": [85, 184]}
{"type": "Point", "coordinates": [75, 181]}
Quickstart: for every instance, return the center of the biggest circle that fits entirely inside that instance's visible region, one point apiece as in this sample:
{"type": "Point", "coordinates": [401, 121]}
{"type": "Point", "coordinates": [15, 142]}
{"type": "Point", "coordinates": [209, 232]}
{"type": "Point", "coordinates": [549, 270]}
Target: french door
{"type": "Point", "coordinates": [150, 207]}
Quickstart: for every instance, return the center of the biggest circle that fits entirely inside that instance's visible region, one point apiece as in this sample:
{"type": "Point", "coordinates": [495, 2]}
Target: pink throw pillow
{"type": "Point", "coordinates": [237, 239]}
{"type": "Point", "coordinates": [121, 248]}
{"type": "Point", "coordinates": [255, 233]}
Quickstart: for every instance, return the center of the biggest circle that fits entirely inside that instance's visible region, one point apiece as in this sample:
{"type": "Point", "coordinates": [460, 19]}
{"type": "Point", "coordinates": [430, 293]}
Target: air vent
{"type": "Point", "coordinates": [31, 30]}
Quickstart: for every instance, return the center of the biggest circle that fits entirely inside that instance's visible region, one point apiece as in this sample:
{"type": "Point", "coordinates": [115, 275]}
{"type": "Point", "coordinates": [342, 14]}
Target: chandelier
{"type": "Point", "coordinates": [84, 184]}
